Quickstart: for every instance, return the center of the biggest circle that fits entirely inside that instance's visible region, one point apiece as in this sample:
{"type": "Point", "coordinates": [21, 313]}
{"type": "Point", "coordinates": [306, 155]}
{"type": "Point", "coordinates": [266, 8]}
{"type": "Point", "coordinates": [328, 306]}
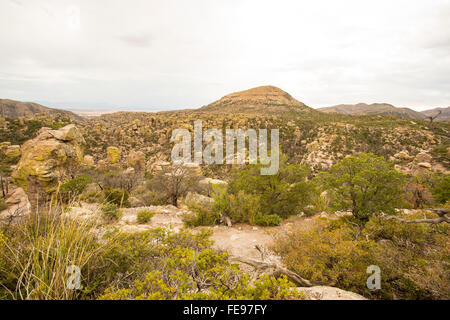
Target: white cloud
{"type": "Point", "coordinates": [181, 54]}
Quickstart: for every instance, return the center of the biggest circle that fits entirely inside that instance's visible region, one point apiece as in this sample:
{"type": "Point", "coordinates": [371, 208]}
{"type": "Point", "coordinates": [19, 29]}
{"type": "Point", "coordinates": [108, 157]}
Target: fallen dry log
{"type": "Point", "coordinates": [275, 270]}
{"type": "Point", "coordinates": [442, 213]}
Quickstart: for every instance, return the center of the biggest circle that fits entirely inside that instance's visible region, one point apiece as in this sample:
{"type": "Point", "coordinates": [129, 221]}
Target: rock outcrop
{"type": "Point", "coordinates": [328, 293]}
{"type": "Point", "coordinates": [113, 155]}
{"type": "Point", "coordinates": [88, 161]}
{"type": "Point", "coordinates": [11, 152]}
{"type": "Point", "coordinates": [198, 199]}
{"type": "Point", "coordinates": [136, 160]}
{"type": "Point", "coordinates": [47, 161]}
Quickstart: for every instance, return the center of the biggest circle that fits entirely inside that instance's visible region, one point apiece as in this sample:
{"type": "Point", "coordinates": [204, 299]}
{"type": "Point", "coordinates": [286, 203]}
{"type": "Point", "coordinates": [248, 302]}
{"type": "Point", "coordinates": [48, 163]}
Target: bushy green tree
{"type": "Point", "coordinates": [365, 184]}
{"type": "Point", "coordinates": [284, 193]}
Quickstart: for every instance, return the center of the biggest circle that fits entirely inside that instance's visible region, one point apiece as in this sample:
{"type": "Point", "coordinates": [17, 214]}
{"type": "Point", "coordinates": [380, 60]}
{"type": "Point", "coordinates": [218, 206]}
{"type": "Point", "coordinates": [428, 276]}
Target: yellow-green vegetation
{"type": "Point", "coordinates": [3, 204]}
{"type": "Point", "coordinates": [75, 186]}
{"type": "Point", "coordinates": [36, 253]}
{"type": "Point", "coordinates": [413, 257]}
{"type": "Point", "coordinates": [185, 267]}
{"type": "Point", "coordinates": [364, 184]}
{"type": "Point", "coordinates": [441, 190]}
{"type": "Point", "coordinates": [250, 196]}
{"type": "Point", "coordinates": [268, 220]}
{"type": "Point", "coordinates": [111, 211]}
{"type": "Point", "coordinates": [118, 197]}
{"type": "Point", "coordinates": [201, 216]}
{"type": "Point", "coordinates": [113, 154]}
{"type": "Point", "coordinates": [144, 216]}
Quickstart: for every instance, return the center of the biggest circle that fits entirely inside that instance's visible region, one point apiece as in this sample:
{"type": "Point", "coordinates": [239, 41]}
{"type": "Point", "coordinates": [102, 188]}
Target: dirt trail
{"type": "Point", "coordinates": [240, 239]}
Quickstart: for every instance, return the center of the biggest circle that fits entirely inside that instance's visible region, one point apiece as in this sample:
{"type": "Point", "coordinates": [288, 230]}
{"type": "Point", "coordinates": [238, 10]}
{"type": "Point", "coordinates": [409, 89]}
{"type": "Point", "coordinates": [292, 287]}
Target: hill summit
{"type": "Point", "coordinates": [14, 109]}
{"type": "Point", "coordinates": [259, 100]}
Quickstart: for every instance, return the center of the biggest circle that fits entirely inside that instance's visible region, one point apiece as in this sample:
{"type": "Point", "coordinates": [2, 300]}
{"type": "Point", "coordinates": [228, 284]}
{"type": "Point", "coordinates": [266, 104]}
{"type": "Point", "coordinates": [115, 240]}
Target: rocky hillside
{"type": "Point", "coordinates": [12, 109]}
{"type": "Point", "coordinates": [444, 116]}
{"type": "Point", "coordinates": [373, 109]}
{"type": "Point", "coordinates": [318, 141]}
{"type": "Point", "coordinates": [308, 137]}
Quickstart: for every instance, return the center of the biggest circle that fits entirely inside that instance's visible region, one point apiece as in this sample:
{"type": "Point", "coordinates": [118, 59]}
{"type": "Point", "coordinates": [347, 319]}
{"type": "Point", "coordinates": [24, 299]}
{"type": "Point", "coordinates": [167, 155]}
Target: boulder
{"type": "Point", "coordinates": [424, 165]}
{"type": "Point", "coordinates": [47, 161]}
{"type": "Point", "coordinates": [136, 160]}
{"type": "Point", "coordinates": [12, 152]}
{"type": "Point", "coordinates": [195, 198]}
{"type": "Point", "coordinates": [206, 184]}
{"type": "Point", "coordinates": [403, 155]}
{"type": "Point", "coordinates": [328, 293]}
{"type": "Point", "coordinates": [423, 157]}
{"type": "Point", "coordinates": [18, 205]}
{"type": "Point", "coordinates": [209, 181]}
{"type": "Point", "coordinates": [88, 161]}
{"type": "Point", "coordinates": [101, 165]}
{"type": "Point", "coordinates": [130, 170]}
{"type": "Point", "coordinates": [159, 164]}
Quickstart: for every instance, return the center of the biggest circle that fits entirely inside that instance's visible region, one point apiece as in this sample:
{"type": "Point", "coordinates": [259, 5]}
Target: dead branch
{"type": "Point", "coordinates": [275, 270]}
{"type": "Point", "coordinates": [442, 213]}
{"type": "Point", "coordinates": [432, 118]}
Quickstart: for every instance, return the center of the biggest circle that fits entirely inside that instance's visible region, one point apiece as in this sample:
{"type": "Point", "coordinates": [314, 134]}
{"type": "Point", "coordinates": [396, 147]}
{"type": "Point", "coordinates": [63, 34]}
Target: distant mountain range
{"type": "Point", "coordinates": [264, 100]}
{"type": "Point", "coordinates": [386, 109]}
{"type": "Point", "coordinates": [14, 109]}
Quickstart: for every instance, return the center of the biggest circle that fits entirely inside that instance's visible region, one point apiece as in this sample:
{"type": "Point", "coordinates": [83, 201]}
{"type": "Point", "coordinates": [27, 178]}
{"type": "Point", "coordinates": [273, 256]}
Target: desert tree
{"type": "Point", "coordinates": [175, 181]}
{"type": "Point", "coordinates": [365, 184]}
{"type": "Point", "coordinates": [432, 118]}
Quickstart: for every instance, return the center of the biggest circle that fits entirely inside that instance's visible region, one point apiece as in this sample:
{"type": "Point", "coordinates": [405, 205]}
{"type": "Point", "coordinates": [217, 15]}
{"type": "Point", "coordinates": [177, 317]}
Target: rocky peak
{"type": "Point", "coordinates": [264, 99]}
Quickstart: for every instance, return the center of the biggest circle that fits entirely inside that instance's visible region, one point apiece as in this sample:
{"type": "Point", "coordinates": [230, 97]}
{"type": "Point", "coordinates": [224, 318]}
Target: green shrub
{"type": "Point", "coordinates": [111, 211]}
{"type": "Point", "coordinates": [284, 193]}
{"type": "Point", "coordinates": [243, 207]}
{"type": "Point", "coordinates": [75, 186]}
{"type": "Point", "coordinates": [309, 211]}
{"type": "Point", "coordinates": [268, 220]}
{"type": "Point", "coordinates": [92, 196]}
{"type": "Point", "coordinates": [168, 265]}
{"type": "Point", "coordinates": [117, 196]}
{"type": "Point", "coordinates": [201, 216]}
{"type": "Point", "coordinates": [412, 257]}
{"type": "Point", "coordinates": [144, 216]}
{"type": "Point", "coordinates": [154, 198]}
{"type": "Point", "coordinates": [156, 264]}
{"type": "Point", "coordinates": [35, 254]}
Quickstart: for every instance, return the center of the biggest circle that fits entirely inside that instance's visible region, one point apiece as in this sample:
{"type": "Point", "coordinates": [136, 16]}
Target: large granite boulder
{"type": "Point", "coordinates": [47, 161]}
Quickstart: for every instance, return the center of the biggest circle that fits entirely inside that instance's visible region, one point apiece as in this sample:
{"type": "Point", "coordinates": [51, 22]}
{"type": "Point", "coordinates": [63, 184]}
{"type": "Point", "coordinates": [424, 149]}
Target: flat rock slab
{"type": "Point", "coordinates": [329, 293]}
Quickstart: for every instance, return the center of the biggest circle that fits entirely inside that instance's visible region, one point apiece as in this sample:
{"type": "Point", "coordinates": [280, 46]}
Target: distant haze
{"type": "Point", "coordinates": [164, 55]}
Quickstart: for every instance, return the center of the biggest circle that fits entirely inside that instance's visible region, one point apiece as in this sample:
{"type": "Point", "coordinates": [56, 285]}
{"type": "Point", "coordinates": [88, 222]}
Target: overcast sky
{"type": "Point", "coordinates": [170, 54]}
